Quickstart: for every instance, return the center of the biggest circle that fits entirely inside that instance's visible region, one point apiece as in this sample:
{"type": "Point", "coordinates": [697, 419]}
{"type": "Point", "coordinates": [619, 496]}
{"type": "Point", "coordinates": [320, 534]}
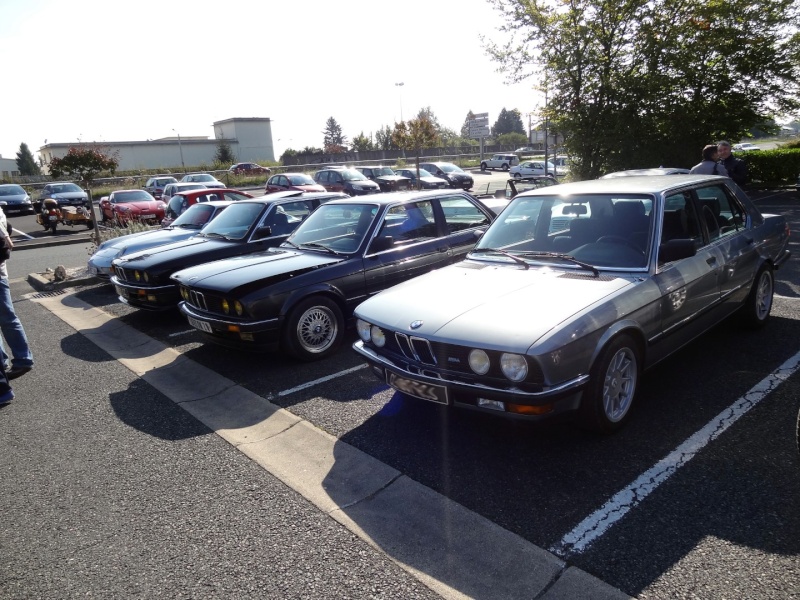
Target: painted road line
{"type": "Point", "coordinates": [319, 381]}
{"type": "Point", "coordinates": [181, 333]}
{"type": "Point", "coordinates": [596, 524]}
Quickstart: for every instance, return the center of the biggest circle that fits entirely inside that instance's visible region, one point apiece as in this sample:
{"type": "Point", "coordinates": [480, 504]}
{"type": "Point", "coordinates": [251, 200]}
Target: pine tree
{"type": "Point", "coordinates": [25, 161]}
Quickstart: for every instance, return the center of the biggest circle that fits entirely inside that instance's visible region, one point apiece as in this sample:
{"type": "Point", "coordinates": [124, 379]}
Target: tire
{"type": "Point", "coordinates": [757, 307]}
{"type": "Point", "coordinates": [613, 380]}
{"type": "Point", "coordinates": [90, 225]}
{"type": "Point", "coordinates": [314, 329]}
{"type": "Point", "coordinates": [517, 175]}
{"type": "Point", "coordinates": [53, 227]}
{"type": "Point", "coordinates": [505, 167]}
{"type": "Point", "coordinates": [483, 166]}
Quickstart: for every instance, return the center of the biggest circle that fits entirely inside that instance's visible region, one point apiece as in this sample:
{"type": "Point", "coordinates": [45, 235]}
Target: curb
{"type": "Point", "coordinates": [42, 284]}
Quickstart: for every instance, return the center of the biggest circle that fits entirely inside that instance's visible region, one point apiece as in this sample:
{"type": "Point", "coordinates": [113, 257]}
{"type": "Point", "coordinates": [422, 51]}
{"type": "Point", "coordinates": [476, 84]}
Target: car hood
{"type": "Point", "coordinates": [68, 195]}
{"type": "Point", "coordinates": [469, 303]}
{"type": "Point", "coordinates": [136, 242]}
{"type": "Point", "coordinates": [253, 271]}
{"type": "Point", "coordinates": [143, 206]}
{"type": "Point", "coordinates": [175, 253]}
{"type": "Point", "coordinates": [392, 178]}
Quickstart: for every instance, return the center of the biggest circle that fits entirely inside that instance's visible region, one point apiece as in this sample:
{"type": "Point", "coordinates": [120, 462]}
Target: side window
{"type": "Point", "coordinates": [460, 213]}
{"type": "Point", "coordinates": [409, 222]}
{"type": "Point", "coordinates": [680, 219]}
{"type": "Point", "coordinates": [720, 211]}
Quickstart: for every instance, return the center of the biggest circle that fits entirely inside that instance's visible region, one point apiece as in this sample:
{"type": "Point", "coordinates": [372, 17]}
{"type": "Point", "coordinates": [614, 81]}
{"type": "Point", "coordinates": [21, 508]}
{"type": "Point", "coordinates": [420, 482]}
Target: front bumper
{"type": "Point", "coordinates": [509, 403]}
{"type": "Point", "coordinates": [156, 297]}
{"type": "Point", "coordinates": [100, 268]}
{"type": "Point", "coordinates": [235, 333]}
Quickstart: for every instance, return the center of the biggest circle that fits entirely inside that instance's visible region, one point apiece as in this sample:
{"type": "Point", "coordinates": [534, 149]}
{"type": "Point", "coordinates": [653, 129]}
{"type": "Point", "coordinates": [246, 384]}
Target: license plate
{"type": "Point", "coordinates": [201, 325]}
{"type": "Point", "coordinates": [148, 216]}
{"type": "Point", "coordinates": [52, 218]}
{"type": "Point", "coordinates": [424, 391]}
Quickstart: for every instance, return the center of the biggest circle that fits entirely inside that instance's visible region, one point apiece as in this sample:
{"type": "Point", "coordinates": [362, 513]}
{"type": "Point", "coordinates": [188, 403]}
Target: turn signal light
{"type": "Point", "coordinates": [524, 409]}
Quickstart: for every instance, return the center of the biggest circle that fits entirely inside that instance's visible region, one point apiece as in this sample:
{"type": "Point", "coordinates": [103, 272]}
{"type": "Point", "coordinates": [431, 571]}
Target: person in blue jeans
{"type": "Point", "coordinates": [10, 325]}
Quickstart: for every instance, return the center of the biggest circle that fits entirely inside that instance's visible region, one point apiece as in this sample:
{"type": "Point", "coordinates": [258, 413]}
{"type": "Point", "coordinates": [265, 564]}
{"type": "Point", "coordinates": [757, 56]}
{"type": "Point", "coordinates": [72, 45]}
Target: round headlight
{"type": "Point", "coordinates": [137, 276]}
{"type": "Point", "coordinates": [225, 306]}
{"type": "Point", "coordinates": [146, 277]}
{"type": "Point", "coordinates": [514, 366]}
{"type": "Point", "coordinates": [479, 362]}
{"type": "Point", "coordinates": [184, 293]}
{"type": "Point", "coordinates": [238, 308]}
{"type": "Point", "coordinates": [377, 336]}
{"type": "Point", "coordinates": [363, 330]}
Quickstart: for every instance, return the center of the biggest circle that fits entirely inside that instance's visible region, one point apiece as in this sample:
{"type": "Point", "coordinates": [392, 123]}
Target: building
{"type": "Point", "coordinates": [250, 140]}
{"type": "Point", "coordinates": [8, 168]}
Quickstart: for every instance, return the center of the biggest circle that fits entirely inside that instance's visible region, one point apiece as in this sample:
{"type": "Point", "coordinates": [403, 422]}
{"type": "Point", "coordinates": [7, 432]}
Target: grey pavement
{"type": "Point", "coordinates": [126, 469]}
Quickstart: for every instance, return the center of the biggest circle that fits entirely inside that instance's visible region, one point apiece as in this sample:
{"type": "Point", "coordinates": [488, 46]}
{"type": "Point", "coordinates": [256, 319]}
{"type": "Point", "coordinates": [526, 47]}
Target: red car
{"type": "Point", "coordinates": [122, 206]}
{"type": "Point", "coordinates": [248, 168]}
{"type": "Point", "coordinates": [292, 181]}
{"type": "Point", "coordinates": [183, 200]}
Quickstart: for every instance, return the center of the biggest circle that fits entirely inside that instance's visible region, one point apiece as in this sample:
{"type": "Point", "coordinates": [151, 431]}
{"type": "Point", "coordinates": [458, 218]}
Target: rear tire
{"type": "Point", "coordinates": [757, 307]}
{"type": "Point", "coordinates": [611, 390]}
{"type": "Point", "coordinates": [483, 166]}
{"type": "Point", "coordinates": [314, 329]}
{"type": "Point", "coordinates": [505, 167]}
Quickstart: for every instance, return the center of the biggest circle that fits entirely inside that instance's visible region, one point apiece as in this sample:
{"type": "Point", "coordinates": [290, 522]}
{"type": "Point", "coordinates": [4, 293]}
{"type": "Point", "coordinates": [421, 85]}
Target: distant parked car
{"type": "Point", "coordinates": [66, 194]}
{"type": "Point", "coordinates": [207, 180]}
{"type": "Point", "coordinates": [745, 147]}
{"type": "Point", "coordinates": [173, 188]}
{"type": "Point", "coordinates": [386, 178]}
{"type": "Point", "coordinates": [526, 150]}
{"type": "Point", "coordinates": [182, 200]}
{"type": "Point", "coordinates": [292, 181]}
{"type": "Point", "coordinates": [349, 181]}
{"type": "Point", "coordinates": [15, 200]}
{"type": "Point", "coordinates": [500, 161]}
{"type": "Point", "coordinates": [248, 168]}
{"type": "Point", "coordinates": [455, 176]}
{"type": "Point", "coordinates": [156, 185]}
{"type": "Point", "coordinates": [530, 168]}
{"type": "Point", "coordinates": [123, 206]}
{"type": "Point", "coordinates": [184, 227]}
{"type": "Point", "coordinates": [426, 180]}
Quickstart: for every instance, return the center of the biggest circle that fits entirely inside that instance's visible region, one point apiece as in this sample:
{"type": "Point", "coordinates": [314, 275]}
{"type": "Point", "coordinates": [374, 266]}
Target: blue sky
{"type": "Point", "coordinates": [95, 70]}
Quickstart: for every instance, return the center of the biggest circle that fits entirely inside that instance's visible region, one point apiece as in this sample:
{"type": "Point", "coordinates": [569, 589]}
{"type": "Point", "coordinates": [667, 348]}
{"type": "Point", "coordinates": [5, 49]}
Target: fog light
{"type": "Point", "coordinates": [479, 362]}
{"type": "Point", "coordinates": [524, 409]}
{"type": "Point", "coordinates": [363, 330]}
{"type": "Point", "coordinates": [491, 404]}
{"type": "Point", "coordinates": [378, 338]}
{"type": "Point", "coordinates": [247, 337]}
{"type": "Point", "coordinates": [151, 298]}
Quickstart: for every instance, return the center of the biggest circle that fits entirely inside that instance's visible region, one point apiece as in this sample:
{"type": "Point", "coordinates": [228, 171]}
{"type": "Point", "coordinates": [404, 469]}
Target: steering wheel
{"type": "Point", "coordinates": [618, 239]}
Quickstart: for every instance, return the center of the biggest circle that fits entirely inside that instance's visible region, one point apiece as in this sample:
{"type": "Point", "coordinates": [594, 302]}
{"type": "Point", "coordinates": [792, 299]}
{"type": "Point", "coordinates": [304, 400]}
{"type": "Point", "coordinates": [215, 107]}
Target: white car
{"type": "Point", "coordinates": [500, 161]}
{"type": "Point", "coordinates": [745, 147]}
{"type": "Point", "coordinates": [533, 167]}
{"type": "Point", "coordinates": [207, 180]}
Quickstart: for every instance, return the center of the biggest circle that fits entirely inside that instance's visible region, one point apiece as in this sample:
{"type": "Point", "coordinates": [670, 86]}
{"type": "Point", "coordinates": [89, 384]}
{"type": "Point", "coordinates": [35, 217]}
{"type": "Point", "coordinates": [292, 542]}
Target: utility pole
{"type": "Point", "coordinates": [180, 148]}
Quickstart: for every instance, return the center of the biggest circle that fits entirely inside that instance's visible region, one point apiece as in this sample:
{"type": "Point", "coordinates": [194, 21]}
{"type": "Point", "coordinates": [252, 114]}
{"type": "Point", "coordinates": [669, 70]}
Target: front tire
{"type": "Point", "coordinates": [505, 167]}
{"type": "Point", "coordinates": [758, 305]}
{"type": "Point", "coordinates": [483, 166]}
{"type": "Point", "coordinates": [517, 176]}
{"type": "Point", "coordinates": [314, 329]}
{"type": "Point", "coordinates": [611, 390]}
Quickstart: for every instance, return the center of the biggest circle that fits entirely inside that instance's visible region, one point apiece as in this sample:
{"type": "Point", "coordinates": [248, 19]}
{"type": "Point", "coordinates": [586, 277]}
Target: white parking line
{"type": "Point", "coordinates": [320, 380]}
{"type": "Point", "coordinates": [596, 524]}
{"type": "Point", "coordinates": [18, 232]}
{"type": "Point", "coordinates": [180, 333]}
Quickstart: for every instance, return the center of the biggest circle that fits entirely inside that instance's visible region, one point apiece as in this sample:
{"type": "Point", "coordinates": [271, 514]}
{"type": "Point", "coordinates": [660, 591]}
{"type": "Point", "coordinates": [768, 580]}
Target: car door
{"type": "Point", "coordinates": [689, 287]}
{"type": "Point", "coordinates": [417, 245]}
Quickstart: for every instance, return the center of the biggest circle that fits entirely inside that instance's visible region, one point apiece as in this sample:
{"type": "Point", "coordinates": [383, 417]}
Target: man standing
{"type": "Point", "coordinates": [736, 167]}
{"type": "Point", "coordinates": [10, 325]}
{"type": "Point", "coordinates": [709, 165]}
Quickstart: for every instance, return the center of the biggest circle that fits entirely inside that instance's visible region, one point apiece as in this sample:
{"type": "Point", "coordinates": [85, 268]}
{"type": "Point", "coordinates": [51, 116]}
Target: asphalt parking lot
{"type": "Point", "coordinates": [696, 497]}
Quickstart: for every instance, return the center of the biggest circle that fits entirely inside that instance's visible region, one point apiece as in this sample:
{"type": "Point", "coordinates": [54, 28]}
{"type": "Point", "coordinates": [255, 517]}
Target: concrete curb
{"type": "Point", "coordinates": [41, 283]}
{"type": "Point", "coordinates": [454, 551]}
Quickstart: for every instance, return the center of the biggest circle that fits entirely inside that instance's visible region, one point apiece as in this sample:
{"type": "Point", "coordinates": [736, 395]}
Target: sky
{"type": "Point", "coordinates": [100, 71]}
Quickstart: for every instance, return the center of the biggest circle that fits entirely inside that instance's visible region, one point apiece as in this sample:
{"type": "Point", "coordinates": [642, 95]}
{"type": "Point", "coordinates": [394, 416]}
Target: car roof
{"type": "Point", "coordinates": [201, 191]}
{"type": "Point", "coordinates": [633, 185]}
{"type": "Point", "coordinates": [404, 196]}
{"type": "Point", "coordinates": [649, 172]}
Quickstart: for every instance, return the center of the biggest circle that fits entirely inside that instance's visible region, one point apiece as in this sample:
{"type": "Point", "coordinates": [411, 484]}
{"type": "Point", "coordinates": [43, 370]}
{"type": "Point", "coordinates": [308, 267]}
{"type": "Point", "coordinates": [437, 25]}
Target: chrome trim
{"type": "Point", "coordinates": [198, 299]}
{"type": "Point", "coordinates": [370, 354]}
{"type": "Point", "coordinates": [131, 286]}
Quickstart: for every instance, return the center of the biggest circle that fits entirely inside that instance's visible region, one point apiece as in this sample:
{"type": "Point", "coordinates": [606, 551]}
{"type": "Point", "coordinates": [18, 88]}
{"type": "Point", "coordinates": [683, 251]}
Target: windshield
{"type": "Point", "coordinates": [131, 196]}
{"type": "Point", "coordinates": [196, 216]}
{"type": "Point", "coordinates": [383, 171]}
{"type": "Point", "coordinates": [335, 227]}
{"type": "Point", "coordinates": [236, 221]}
{"type": "Point", "coordinates": [63, 188]}
{"type": "Point", "coordinates": [353, 175]}
{"type": "Point", "coordinates": [600, 230]}
{"type": "Point", "coordinates": [11, 190]}
{"type": "Point", "coordinates": [300, 180]}
{"type": "Point", "coordinates": [448, 168]}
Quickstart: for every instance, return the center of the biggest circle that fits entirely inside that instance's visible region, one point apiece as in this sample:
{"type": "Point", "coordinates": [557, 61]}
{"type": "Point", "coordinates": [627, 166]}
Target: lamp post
{"type": "Point", "coordinates": [180, 148]}
{"type": "Point", "coordinates": [400, 85]}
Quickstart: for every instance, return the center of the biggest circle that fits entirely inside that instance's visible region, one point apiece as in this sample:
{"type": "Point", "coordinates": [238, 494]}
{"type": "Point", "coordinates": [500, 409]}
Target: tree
{"type": "Point", "coordinates": [334, 142]}
{"type": "Point", "coordinates": [417, 134]}
{"type": "Point", "coordinates": [508, 121]}
{"type": "Point", "coordinates": [362, 143]}
{"type": "Point", "coordinates": [84, 163]}
{"type": "Point", "coordinates": [224, 154]}
{"type": "Point", "coordinates": [512, 139]}
{"type": "Point", "coordinates": [465, 126]}
{"type": "Point", "coordinates": [26, 164]}
{"type": "Point", "coordinates": [642, 83]}
{"type": "Point", "coordinates": [383, 139]}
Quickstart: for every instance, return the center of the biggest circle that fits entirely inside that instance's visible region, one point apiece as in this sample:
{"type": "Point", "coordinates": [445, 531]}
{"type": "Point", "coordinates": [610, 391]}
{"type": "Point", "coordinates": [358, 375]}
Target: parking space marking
{"type": "Point", "coordinates": [180, 333]}
{"type": "Point", "coordinates": [596, 524]}
{"type": "Point", "coordinates": [318, 381]}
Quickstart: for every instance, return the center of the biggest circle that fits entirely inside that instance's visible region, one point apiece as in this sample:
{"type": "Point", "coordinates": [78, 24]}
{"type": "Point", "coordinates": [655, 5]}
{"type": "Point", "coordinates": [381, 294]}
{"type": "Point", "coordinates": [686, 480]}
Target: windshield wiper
{"type": "Point", "coordinates": [292, 244]}
{"type": "Point", "coordinates": [214, 234]}
{"type": "Point", "coordinates": [186, 226]}
{"type": "Point", "coordinates": [318, 246]}
{"type": "Point", "coordinates": [516, 259]}
{"type": "Point", "coordinates": [567, 257]}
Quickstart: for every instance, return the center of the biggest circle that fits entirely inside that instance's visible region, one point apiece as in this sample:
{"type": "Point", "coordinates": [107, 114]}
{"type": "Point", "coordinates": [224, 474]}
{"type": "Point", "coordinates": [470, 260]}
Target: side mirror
{"type": "Point", "coordinates": [677, 249]}
{"type": "Point", "coordinates": [478, 233]}
{"type": "Point", "coordinates": [380, 244]}
{"type": "Point", "coordinates": [262, 232]}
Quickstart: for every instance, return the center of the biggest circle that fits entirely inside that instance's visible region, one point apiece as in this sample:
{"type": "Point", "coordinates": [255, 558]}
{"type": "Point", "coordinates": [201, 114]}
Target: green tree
{"type": "Point", "coordinates": [508, 121]}
{"type": "Point", "coordinates": [362, 143]}
{"type": "Point", "coordinates": [26, 164]}
{"type": "Point", "coordinates": [642, 83]}
{"type": "Point", "coordinates": [224, 154]}
{"type": "Point", "coordinates": [84, 163]}
{"type": "Point", "coordinates": [415, 135]}
{"type": "Point", "coordinates": [334, 142]}
{"type": "Point", "coordinates": [383, 139]}
{"type": "Point", "coordinates": [515, 139]}
{"type": "Point", "coordinates": [288, 156]}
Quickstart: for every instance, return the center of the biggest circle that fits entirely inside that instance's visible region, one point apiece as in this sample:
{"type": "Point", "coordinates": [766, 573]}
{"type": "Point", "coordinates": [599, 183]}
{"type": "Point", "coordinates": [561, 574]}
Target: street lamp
{"type": "Point", "coordinates": [400, 85]}
{"type": "Point", "coordinates": [180, 147]}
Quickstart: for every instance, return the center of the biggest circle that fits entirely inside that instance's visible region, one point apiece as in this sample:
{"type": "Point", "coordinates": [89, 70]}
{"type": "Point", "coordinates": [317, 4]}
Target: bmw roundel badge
{"type": "Point", "coordinates": [416, 324]}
